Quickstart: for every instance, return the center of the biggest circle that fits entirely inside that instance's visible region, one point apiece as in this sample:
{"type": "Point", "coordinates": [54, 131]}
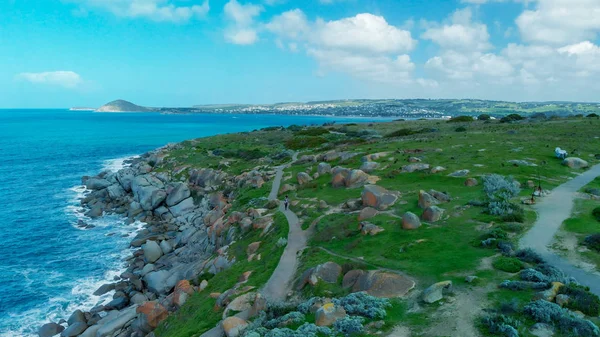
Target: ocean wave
{"type": "Point", "coordinates": [114, 165]}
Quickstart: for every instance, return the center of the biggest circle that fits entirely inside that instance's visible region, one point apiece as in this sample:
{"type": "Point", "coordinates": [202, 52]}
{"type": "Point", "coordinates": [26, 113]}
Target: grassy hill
{"type": "Point", "coordinates": [470, 246]}
{"type": "Point", "coordinates": [122, 106]}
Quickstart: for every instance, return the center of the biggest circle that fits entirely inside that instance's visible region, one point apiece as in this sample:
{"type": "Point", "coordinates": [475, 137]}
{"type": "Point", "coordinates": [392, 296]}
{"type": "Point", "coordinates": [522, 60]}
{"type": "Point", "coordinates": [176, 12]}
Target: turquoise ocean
{"type": "Point", "coordinates": [48, 266]}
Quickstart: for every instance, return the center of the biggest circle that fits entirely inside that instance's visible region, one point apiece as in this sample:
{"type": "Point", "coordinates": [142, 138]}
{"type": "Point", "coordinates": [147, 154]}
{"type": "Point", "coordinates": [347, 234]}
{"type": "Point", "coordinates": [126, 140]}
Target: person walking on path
{"type": "Point", "coordinates": [286, 203]}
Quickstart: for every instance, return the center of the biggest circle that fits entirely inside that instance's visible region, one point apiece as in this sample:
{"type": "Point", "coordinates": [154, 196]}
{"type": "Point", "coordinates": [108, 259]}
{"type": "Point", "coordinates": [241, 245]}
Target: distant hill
{"type": "Point", "coordinates": [123, 106]}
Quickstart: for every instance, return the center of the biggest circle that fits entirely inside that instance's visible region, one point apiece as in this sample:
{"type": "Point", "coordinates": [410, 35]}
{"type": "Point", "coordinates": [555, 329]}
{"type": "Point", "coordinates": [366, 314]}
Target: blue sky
{"type": "Point", "coordinates": [61, 53]}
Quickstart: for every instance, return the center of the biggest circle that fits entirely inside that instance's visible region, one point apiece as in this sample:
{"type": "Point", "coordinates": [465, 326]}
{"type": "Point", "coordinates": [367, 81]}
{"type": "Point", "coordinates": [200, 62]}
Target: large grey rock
{"type": "Point", "coordinates": [432, 214]}
{"type": "Point", "coordinates": [125, 178]}
{"type": "Point", "coordinates": [161, 282]}
{"type": "Point", "coordinates": [152, 251]}
{"type": "Point", "coordinates": [436, 291]}
{"type": "Point", "coordinates": [115, 191]}
{"type": "Point", "coordinates": [576, 163]}
{"type": "Point", "coordinates": [460, 173]}
{"type": "Point", "coordinates": [115, 322]}
{"type": "Point", "coordinates": [166, 247]}
{"type": "Point", "coordinates": [382, 284]}
{"type": "Point", "coordinates": [183, 207]}
{"type": "Point", "coordinates": [91, 331]}
{"type": "Point", "coordinates": [148, 191]}
{"type": "Point", "coordinates": [328, 272]}
{"type": "Point", "coordinates": [176, 193]}
{"type": "Point", "coordinates": [328, 314]}
{"type": "Point", "coordinates": [415, 167]}
{"type": "Point", "coordinates": [410, 221]}
{"type": "Point", "coordinates": [303, 178]}
{"type": "Point", "coordinates": [378, 197]}
{"type": "Point", "coordinates": [369, 166]}
{"type": "Point", "coordinates": [97, 183]}
{"type": "Point", "coordinates": [50, 329]}
{"type": "Point", "coordinates": [117, 304]}
{"type": "Point", "coordinates": [76, 316]}
{"type": "Point", "coordinates": [74, 330]}
{"type": "Point", "coordinates": [323, 168]}
{"type": "Point", "coordinates": [426, 200]}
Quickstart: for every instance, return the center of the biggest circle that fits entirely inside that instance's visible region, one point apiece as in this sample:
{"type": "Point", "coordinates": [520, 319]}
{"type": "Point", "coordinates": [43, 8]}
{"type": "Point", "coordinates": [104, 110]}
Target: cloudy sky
{"type": "Point", "coordinates": [61, 53]}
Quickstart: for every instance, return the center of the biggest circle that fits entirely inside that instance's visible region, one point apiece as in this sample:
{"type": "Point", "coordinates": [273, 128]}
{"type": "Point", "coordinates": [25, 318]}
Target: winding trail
{"type": "Point", "coordinates": [552, 211]}
{"type": "Point", "coordinates": [279, 284]}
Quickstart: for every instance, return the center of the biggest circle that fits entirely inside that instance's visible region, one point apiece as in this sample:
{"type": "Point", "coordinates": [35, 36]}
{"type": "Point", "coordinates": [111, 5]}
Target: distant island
{"type": "Point", "coordinates": [395, 108]}
{"type": "Point", "coordinates": [123, 106]}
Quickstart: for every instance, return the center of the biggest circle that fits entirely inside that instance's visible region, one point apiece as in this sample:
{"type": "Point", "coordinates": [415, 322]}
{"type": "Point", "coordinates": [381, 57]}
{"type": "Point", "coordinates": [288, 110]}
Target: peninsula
{"type": "Point", "coordinates": [404, 228]}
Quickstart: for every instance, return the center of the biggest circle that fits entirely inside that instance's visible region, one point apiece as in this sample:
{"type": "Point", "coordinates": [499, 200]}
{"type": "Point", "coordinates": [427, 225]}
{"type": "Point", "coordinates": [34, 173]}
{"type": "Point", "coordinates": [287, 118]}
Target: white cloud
{"type": "Point", "coordinates": [383, 69]}
{"type": "Point", "coordinates": [291, 25]}
{"type": "Point", "coordinates": [242, 36]}
{"type": "Point", "coordinates": [156, 10]}
{"type": "Point", "coordinates": [560, 21]}
{"type": "Point", "coordinates": [66, 79]}
{"type": "Point", "coordinates": [461, 33]}
{"type": "Point", "coordinates": [363, 32]}
{"type": "Point", "coordinates": [364, 46]}
{"type": "Point", "coordinates": [242, 28]}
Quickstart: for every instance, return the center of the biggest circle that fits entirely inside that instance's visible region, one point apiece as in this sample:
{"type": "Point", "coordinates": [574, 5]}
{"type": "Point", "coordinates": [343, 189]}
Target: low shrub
{"type": "Point", "coordinates": [400, 133]}
{"type": "Point", "coordinates": [460, 129]}
{"type": "Point", "coordinates": [581, 299]}
{"type": "Point", "coordinates": [272, 128]}
{"type": "Point", "coordinates": [349, 325]}
{"type": "Point", "coordinates": [533, 275]}
{"type": "Point", "coordinates": [496, 233]}
{"type": "Point", "coordinates": [312, 132]}
{"type": "Point", "coordinates": [293, 317]}
{"type": "Point", "coordinates": [523, 285]}
{"type": "Point", "coordinates": [593, 115]}
{"type": "Point", "coordinates": [548, 312]}
{"type": "Point", "coordinates": [552, 273]}
{"type": "Point", "coordinates": [510, 307]}
{"type": "Point", "coordinates": [528, 255]}
{"type": "Point", "coordinates": [499, 191]}
{"type": "Point", "coordinates": [506, 247]}
{"type": "Point", "coordinates": [295, 127]}
{"type": "Point", "coordinates": [515, 214]}
{"type": "Point", "coordinates": [501, 325]}
{"type": "Point", "coordinates": [511, 118]}
{"type": "Point", "coordinates": [297, 143]}
{"type": "Point", "coordinates": [508, 264]}
{"type": "Point", "coordinates": [460, 119]}
{"type": "Point", "coordinates": [593, 242]}
{"type": "Point", "coordinates": [596, 213]}
{"type": "Point", "coordinates": [484, 117]}
{"type": "Point", "coordinates": [363, 304]}
{"type": "Point", "coordinates": [512, 227]}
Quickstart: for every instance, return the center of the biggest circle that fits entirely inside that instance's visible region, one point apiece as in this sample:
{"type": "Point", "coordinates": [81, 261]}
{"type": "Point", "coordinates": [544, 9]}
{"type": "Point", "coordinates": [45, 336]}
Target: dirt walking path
{"type": "Point", "coordinates": [280, 282]}
{"type": "Point", "coordinates": [552, 211]}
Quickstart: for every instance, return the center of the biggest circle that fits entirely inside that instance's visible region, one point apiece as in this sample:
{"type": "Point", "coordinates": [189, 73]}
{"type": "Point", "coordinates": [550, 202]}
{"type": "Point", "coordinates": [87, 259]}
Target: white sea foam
{"type": "Point", "coordinates": [114, 165]}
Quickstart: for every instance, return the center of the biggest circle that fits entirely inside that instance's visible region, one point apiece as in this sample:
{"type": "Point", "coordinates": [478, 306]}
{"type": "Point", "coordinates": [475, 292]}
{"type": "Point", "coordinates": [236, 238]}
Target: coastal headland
{"type": "Point", "coordinates": [404, 228]}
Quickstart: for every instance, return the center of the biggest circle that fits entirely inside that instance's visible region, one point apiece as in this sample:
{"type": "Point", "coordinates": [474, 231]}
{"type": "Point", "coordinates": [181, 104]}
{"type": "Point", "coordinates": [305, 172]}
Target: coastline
{"type": "Point", "coordinates": [142, 279]}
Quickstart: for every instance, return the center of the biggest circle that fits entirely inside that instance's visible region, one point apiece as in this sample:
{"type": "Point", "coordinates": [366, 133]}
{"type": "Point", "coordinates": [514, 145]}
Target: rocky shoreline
{"type": "Point", "coordinates": [181, 239]}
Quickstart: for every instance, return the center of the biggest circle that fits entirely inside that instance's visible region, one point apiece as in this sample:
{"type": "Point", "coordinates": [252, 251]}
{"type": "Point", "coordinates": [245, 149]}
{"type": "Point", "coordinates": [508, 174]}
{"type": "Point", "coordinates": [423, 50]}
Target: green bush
{"type": "Point", "coordinates": [298, 143]}
{"type": "Point", "coordinates": [401, 133]}
{"type": "Point", "coordinates": [511, 118]}
{"type": "Point", "coordinates": [596, 213]}
{"type": "Point", "coordinates": [581, 299]}
{"type": "Point", "coordinates": [460, 119]}
{"type": "Point", "coordinates": [312, 132]}
{"type": "Point", "coordinates": [460, 129]}
{"type": "Point", "coordinates": [593, 115]}
{"type": "Point", "coordinates": [517, 214]}
{"type": "Point", "coordinates": [508, 264]}
{"type": "Point", "coordinates": [484, 117]}
{"type": "Point", "coordinates": [593, 242]}
{"type": "Point", "coordinates": [295, 127]}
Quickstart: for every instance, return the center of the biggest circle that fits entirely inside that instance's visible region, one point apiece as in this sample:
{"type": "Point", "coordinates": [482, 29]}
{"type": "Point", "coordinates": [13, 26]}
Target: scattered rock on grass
{"type": "Point", "coordinates": [415, 167]}
{"type": "Point", "coordinates": [378, 197]}
{"type": "Point", "coordinates": [438, 169]}
{"type": "Point", "coordinates": [303, 178]}
{"type": "Point", "coordinates": [432, 214]}
{"type": "Point", "coordinates": [382, 284]}
{"type": "Point", "coordinates": [426, 200]}
{"type": "Point", "coordinates": [369, 228]}
{"type": "Point", "coordinates": [459, 174]}
{"type": "Point", "coordinates": [323, 168]}
{"type": "Point", "coordinates": [410, 221]}
{"type": "Point", "coordinates": [470, 182]}
{"type": "Point", "coordinates": [436, 291]}
{"type": "Point", "coordinates": [234, 326]}
{"type": "Point", "coordinates": [367, 213]}
{"type": "Point", "coordinates": [576, 163]}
